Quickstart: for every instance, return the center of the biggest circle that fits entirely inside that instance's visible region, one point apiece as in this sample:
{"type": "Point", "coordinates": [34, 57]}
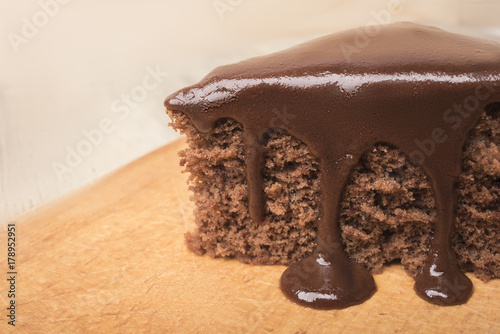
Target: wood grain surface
{"type": "Point", "coordinates": [112, 258]}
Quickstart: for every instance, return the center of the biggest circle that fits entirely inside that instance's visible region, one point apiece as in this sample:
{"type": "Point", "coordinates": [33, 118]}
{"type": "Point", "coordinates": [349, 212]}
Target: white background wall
{"type": "Point", "coordinates": [67, 67]}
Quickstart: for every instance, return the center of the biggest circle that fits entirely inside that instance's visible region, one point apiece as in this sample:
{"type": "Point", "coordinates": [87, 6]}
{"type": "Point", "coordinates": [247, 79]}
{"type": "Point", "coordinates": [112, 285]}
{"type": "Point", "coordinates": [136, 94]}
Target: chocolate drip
{"type": "Point", "coordinates": [417, 88]}
{"type": "Point", "coordinates": [254, 159]}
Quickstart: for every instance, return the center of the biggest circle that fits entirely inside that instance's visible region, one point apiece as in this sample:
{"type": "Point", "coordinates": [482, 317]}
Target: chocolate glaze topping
{"type": "Point", "coordinates": [417, 88]}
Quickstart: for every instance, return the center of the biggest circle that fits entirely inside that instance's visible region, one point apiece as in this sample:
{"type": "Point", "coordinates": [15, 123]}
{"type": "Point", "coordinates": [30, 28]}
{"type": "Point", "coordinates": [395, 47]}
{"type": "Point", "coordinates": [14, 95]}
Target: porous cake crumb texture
{"type": "Point", "coordinates": [387, 211]}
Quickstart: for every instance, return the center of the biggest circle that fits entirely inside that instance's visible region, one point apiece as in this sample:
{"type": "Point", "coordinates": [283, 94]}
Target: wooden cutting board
{"type": "Point", "coordinates": [112, 258]}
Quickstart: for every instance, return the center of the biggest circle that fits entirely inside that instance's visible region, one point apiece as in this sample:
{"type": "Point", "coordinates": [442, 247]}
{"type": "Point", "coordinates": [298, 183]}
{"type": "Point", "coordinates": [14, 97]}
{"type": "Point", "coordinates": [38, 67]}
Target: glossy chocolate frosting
{"type": "Point", "coordinates": [414, 87]}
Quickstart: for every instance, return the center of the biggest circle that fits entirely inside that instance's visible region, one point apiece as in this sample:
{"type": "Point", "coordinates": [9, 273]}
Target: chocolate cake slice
{"type": "Point", "coordinates": [336, 163]}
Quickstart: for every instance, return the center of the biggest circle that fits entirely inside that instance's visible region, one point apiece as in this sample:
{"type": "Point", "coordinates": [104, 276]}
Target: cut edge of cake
{"type": "Point", "coordinates": [387, 207]}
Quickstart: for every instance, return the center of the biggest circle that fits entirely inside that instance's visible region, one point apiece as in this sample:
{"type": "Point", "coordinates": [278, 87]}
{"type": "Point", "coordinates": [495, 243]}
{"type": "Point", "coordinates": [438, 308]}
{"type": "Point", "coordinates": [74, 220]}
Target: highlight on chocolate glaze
{"type": "Point", "coordinates": [398, 94]}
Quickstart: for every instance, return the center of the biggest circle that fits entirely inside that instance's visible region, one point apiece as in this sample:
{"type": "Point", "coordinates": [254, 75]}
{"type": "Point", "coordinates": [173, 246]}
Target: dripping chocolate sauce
{"type": "Point", "coordinates": [401, 89]}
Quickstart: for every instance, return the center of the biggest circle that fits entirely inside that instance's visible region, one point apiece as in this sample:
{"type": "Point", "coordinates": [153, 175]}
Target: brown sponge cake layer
{"type": "Point", "coordinates": [387, 209]}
